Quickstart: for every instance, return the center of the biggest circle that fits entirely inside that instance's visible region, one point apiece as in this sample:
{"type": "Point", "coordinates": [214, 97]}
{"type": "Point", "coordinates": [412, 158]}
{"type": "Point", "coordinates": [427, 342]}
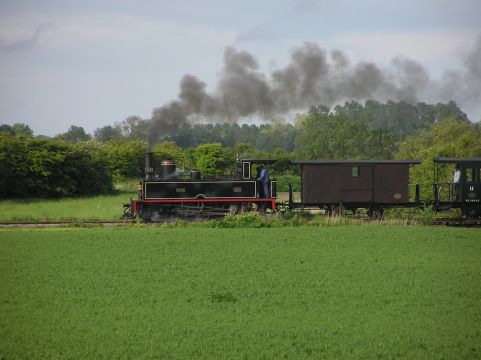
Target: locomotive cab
{"type": "Point", "coordinates": [249, 169]}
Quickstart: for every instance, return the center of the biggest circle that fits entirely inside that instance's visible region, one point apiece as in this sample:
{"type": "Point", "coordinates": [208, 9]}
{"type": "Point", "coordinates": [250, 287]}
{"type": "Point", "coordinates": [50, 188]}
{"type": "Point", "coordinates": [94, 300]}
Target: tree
{"type": "Point", "coordinates": [75, 134]}
{"type": "Point", "coordinates": [92, 168]}
{"type": "Point", "coordinates": [134, 128]}
{"type": "Point", "coordinates": [210, 159]}
{"type": "Point", "coordinates": [278, 135]}
{"type": "Point", "coordinates": [449, 138]}
{"type": "Point", "coordinates": [107, 133]}
{"type": "Point", "coordinates": [6, 129]}
{"type": "Point", "coordinates": [398, 118]}
{"type": "Point", "coordinates": [183, 136]}
{"type": "Point", "coordinates": [126, 158]}
{"type": "Point", "coordinates": [323, 134]}
{"type": "Point", "coordinates": [17, 130]}
{"type": "Point", "coordinates": [450, 111]}
{"type": "Point", "coordinates": [168, 150]}
{"type": "Point", "coordinates": [22, 130]}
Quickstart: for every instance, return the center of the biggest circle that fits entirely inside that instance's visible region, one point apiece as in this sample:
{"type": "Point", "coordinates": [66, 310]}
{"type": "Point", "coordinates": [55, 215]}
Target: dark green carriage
{"type": "Point", "coordinates": [464, 194]}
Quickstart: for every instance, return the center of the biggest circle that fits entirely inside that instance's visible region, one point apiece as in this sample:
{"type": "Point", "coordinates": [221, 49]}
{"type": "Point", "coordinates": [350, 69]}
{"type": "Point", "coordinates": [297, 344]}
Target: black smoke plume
{"type": "Point", "coordinates": [313, 76]}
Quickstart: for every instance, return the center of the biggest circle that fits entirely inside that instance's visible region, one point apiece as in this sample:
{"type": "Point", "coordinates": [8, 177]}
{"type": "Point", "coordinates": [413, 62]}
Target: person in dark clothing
{"type": "Point", "coordinates": [260, 187]}
{"type": "Point", "coordinates": [264, 179]}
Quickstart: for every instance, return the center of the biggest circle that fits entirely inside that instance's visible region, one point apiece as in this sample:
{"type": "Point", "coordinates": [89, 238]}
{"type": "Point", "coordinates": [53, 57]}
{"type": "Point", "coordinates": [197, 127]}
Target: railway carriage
{"type": "Point", "coordinates": [374, 185]}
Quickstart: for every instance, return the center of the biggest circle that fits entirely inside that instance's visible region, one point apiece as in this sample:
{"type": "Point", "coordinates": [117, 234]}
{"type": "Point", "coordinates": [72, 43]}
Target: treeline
{"type": "Point", "coordinates": [76, 163]}
{"type": "Point", "coordinates": [395, 120]}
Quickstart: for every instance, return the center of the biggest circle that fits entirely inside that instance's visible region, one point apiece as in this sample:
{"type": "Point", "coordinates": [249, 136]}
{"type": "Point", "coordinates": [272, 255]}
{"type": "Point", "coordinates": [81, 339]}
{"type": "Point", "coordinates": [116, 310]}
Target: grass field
{"type": "Point", "coordinates": [181, 293]}
{"type": "Point", "coordinates": [101, 208]}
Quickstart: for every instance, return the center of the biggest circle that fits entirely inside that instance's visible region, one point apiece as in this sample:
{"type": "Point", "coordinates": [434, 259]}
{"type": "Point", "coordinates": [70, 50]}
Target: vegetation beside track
{"type": "Point", "coordinates": [109, 208]}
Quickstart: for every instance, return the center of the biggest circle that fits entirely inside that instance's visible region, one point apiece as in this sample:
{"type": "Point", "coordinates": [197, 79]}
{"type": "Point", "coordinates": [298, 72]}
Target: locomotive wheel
{"type": "Point", "coordinates": [234, 209]}
{"type": "Point", "coordinates": [262, 208]}
{"type": "Point", "coordinates": [153, 214]}
{"type": "Point", "coordinates": [246, 207]}
{"type": "Point", "coordinates": [147, 216]}
{"type": "Point", "coordinates": [471, 212]}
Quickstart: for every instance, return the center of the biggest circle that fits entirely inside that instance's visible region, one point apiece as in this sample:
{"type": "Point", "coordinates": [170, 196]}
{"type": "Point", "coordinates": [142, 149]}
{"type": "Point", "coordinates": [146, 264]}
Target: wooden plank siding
{"type": "Point", "coordinates": [334, 183]}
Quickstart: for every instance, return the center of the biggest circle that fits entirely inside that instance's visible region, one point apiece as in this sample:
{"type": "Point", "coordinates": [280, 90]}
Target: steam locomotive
{"type": "Point", "coordinates": [331, 185]}
{"type": "Point", "coordinates": [168, 193]}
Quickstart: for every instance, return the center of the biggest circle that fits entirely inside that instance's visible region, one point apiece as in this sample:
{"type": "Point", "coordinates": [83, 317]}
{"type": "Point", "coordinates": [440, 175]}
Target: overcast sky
{"type": "Point", "coordinates": [93, 63]}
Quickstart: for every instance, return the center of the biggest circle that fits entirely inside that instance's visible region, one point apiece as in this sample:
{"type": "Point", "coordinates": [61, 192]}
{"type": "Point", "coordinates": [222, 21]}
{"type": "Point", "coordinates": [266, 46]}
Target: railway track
{"type": "Point", "coordinates": [465, 222]}
{"type": "Point", "coordinates": [459, 222]}
{"type": "Point", "coordinates": [39, 224]}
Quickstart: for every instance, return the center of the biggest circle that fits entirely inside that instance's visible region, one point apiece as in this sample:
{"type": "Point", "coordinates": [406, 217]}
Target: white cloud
{"type": "Point", "coordinates": [436, 48]}
{"type": "Point", "coordinates": [81, 32]}
{"type": "Point", "coordinates": [14, 29]}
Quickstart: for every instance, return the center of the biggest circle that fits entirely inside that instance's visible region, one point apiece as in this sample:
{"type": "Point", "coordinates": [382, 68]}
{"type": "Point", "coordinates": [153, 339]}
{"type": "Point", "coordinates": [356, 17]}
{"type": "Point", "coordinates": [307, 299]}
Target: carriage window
{"type": "Point", "coordinates": [470, 174]}
{"type": "Point", "coordinates": [355, 171]}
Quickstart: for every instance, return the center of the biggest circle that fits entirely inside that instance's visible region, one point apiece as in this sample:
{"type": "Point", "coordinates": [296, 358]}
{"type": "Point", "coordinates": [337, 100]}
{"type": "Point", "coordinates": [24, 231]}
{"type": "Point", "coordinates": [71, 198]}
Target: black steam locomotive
{"type": "Point", "coordinates": [169, 193]}
{"type": "Point", "coordinates": [332, 185]}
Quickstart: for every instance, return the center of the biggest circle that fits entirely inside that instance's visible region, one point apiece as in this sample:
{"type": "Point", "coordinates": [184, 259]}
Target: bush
{"type": "Point", "coordinates": [253, 220]}
{"type": "Point", "coordinates": [46, 168]}
{"type": "Point", "coordinates": [126, 159]}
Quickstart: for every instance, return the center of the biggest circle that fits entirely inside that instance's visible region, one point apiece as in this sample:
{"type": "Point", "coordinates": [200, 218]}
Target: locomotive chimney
{"type": "Point", "coordinates": [149, 167]}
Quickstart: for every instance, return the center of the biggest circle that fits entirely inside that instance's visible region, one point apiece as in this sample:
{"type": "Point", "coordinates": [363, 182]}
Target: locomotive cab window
{"type": "Point", "coordinates": [355, 171]}
{"type": "Point", "coordinates": [246, 171]}
{"type": "Point", "coordinates": [470, 175]}
{"type": "Point", "coordinates": [477, 175]}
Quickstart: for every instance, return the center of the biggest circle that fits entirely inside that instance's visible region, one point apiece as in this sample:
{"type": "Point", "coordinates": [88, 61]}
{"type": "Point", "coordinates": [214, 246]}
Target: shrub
{"type": "Point", "coordinates": [253, 220]}
{"type": "Point", "coordinates": [33, 167]}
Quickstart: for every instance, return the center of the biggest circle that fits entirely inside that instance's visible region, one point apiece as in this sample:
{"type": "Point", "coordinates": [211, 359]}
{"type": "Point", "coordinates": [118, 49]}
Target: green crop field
{"type": "Point", "coordinates": [339, 292]}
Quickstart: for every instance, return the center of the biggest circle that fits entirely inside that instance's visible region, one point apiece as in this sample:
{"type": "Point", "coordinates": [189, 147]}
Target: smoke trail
{"type": "Point", "coordinates": [311, 77]}
{"type": "Point", "coordinates": [241, 91]}
{"type": "Point", "coordinates": [465, 84]}
{"type": "Point", "coordinates": [165, 119]}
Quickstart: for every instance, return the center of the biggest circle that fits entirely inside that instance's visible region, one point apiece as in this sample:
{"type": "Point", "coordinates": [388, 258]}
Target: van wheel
{"type": "Point", "coordinates": [375, 213]}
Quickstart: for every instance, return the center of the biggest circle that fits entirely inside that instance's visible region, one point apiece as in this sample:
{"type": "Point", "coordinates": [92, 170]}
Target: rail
{"type": "Point", "coordinates": [461, 222]}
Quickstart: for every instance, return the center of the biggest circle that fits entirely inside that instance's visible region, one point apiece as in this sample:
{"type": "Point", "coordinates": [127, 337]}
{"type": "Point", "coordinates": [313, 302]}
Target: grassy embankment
{"type": "Point", "coordinates": [325, 292]}
{"type": "Point", "coordinates": [94, 208]}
